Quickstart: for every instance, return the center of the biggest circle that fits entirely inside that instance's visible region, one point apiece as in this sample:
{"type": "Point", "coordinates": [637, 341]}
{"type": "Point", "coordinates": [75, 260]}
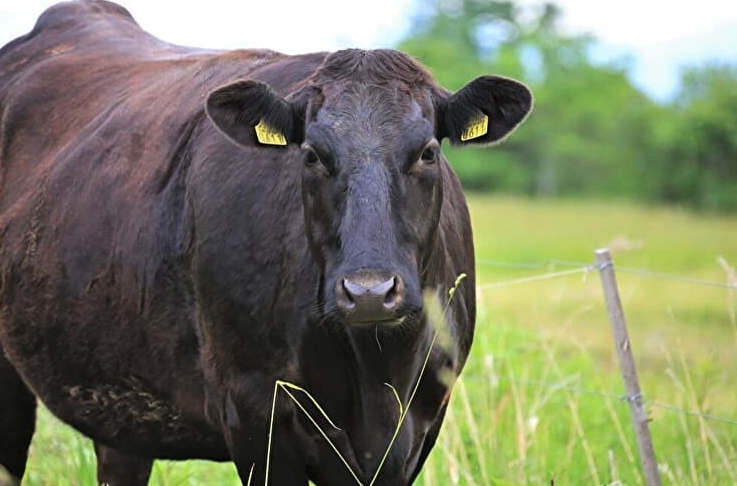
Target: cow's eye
{"type": "Point", "coordinates": [428, 155]}
{"type": "Point", "coordinates": [424, 159]}
{"type": "Point", "coordinates": [311, 157]}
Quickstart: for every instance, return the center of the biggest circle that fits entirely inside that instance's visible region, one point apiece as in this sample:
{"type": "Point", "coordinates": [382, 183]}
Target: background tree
{"type": "Point", "coordinates": [698, 164]}
{"type": "Point", "coordinates": [591, 132]}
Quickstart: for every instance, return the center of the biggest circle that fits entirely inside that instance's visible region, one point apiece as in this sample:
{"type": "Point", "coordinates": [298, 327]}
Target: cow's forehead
{"type": "Point", "coordinates": [366, 114]}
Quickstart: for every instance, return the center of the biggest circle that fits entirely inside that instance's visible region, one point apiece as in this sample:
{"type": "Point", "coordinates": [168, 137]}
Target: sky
{"type": "Point", "coordinates": [657, 36]}
{"type": "Point", "coordinates": [660, 36]}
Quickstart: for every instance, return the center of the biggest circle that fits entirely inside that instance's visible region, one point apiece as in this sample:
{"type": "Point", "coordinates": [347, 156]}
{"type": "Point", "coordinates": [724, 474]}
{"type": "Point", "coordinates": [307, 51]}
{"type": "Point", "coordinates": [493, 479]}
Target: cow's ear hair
{"type": "Point", "coordinates": [250, 113]}
{"type": "Point", "coordinates": [484, 111]}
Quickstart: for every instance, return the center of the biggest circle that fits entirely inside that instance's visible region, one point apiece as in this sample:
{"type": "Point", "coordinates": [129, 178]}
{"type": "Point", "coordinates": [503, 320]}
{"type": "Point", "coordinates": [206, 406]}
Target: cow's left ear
{"type": "Point", "coordinates": [484, 111]}
{"type": "Point", "coordinates": [250, 113]}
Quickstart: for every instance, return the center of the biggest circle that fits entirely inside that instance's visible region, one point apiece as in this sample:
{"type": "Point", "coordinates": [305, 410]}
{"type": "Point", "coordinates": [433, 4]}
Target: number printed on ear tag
{"type": "Point", "coordinates": [268, 135]}
{"type": "Point", "coordinates": [477, 127]}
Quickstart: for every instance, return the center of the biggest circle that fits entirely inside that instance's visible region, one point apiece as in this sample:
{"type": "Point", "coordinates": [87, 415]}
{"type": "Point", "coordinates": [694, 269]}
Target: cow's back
{"type": "Point", "coordinates": [88, 64]}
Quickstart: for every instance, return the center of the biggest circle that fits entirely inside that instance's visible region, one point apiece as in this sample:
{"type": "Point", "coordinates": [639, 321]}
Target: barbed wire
{"type": "Point", "coordinates": [546, 263]}
{"type": "Point", "coordinates": [670, 276]}
{"type": "Point", "coordinates": [535, 278]}
{"type": "Point", "coordinates": [618, 397]}
{"type": "Point", "coordinates": [586, 267]}
{"type": "Point", "coordinates": [706, 416]}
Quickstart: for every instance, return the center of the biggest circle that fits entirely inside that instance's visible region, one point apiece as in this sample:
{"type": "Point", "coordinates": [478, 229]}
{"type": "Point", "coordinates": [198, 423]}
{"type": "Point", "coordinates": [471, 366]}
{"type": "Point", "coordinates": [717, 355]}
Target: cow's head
{"type": "Point", "coordinates": [369, 124]}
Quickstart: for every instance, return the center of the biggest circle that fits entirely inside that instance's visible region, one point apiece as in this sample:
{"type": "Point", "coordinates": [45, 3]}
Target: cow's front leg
{"type": "Point", "coordinates": [265, 459]}
{"type": "Point", "coordinates": [17, 423]}
{"type": "Point", "coordinates": [284, 470]}
{"type": "Point", "coordinates": [117, 469]}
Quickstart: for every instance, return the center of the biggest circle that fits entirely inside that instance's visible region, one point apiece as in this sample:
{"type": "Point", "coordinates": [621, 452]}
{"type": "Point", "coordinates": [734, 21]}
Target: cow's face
{"type": "Point", "coordinates": [369, 126]}
{"type": "Point", "coordinates": [372, 191]}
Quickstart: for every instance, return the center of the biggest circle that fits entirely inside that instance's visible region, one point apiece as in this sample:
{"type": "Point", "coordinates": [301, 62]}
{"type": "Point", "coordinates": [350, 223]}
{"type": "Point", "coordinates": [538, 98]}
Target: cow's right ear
{"type": "Point", "coordinates": [250, 113]}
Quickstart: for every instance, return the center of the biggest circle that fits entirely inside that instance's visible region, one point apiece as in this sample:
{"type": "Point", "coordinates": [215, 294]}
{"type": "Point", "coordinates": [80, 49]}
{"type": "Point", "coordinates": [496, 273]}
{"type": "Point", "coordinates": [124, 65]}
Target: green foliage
{"type": "Point", "coordinates": [592, 131]}
{"type": "Point", "coordinates": [700, 166]}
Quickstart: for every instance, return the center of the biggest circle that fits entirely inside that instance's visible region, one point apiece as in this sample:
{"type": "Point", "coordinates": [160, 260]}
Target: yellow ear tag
{"type": "Point", "coordinates": [477, 126]}
{"type": "Point", "coordinates": [268, 135]}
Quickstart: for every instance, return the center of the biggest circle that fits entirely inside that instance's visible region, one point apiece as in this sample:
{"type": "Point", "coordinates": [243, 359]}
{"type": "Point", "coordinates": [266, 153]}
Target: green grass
{"type": "Point", "coordinates": [537, 401]}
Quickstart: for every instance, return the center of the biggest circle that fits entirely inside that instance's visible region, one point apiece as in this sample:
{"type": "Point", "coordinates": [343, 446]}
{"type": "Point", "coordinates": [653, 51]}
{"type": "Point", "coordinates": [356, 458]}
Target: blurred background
{"type": "Point", "coordinates": [635, 99]}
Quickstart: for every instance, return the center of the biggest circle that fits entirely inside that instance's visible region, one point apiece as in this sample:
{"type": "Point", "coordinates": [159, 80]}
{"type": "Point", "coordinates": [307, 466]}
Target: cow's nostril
{"type": "Point", "coordinates": [349, 301]}
{"type": "Point", "coordinates": [392, 297]}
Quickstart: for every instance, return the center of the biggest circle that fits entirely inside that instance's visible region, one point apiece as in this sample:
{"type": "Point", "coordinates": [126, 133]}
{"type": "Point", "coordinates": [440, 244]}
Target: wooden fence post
{"type": "Point", "coordinates": [627, 366]}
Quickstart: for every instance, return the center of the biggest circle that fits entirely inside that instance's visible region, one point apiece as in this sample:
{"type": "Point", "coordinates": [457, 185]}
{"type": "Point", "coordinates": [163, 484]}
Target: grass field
{"type": "Point", "coordinates": [538, 401]}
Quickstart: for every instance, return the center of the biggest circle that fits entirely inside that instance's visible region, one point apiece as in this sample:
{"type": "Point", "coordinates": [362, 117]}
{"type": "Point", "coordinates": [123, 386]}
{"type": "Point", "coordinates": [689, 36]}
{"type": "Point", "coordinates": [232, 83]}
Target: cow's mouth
{"type": "Point", "coordinates": [387, 322]}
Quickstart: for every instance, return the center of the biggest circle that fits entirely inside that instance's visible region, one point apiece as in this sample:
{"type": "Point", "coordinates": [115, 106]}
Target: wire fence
{"type": "Point", "coordinates": [585, 268]}
{"type": "Point", "coordinates": [545, 276]}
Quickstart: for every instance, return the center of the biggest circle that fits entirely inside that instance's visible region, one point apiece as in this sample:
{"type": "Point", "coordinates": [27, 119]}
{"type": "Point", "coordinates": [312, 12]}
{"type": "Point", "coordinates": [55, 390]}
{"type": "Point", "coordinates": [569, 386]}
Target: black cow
{"type": "Point", "coordinates": [181, 228]}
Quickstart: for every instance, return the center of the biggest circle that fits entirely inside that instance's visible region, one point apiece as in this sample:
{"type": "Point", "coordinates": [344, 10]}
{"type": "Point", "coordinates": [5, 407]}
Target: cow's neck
{"type": "Point", "coordinates": [376, 364]}
{"type": "Point", "coordinates": [389, 356]}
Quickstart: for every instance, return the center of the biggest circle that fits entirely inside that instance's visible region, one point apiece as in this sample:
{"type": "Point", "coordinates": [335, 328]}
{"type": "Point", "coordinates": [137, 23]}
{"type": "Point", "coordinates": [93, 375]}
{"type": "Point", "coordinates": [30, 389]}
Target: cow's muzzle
{"type": "Point", "coordinates": [370, 297]}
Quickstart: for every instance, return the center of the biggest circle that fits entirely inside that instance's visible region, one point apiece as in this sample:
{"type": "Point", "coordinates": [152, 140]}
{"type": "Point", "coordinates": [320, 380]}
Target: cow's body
{"type": "Point", "coordinates": [156, 278]}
